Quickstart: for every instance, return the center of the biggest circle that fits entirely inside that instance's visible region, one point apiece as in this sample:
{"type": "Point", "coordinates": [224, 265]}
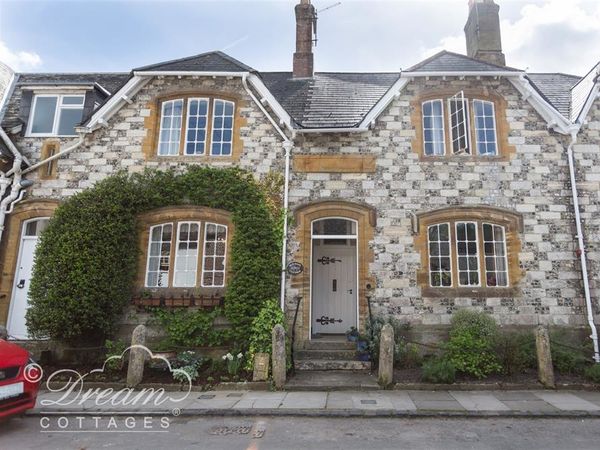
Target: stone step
{"type": "Point", "coordinates": [325, 354]}
{"type": "Point", "coordinates": [332, 380]}
{"type": "Point", "coordinates": [323, 344]}
{"type": "Point", "coordinates": [331, 364]}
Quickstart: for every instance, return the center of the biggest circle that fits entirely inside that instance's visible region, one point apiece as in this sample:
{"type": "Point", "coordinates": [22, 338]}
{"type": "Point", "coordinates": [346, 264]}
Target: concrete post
{"type": "Point", "coordinates": [278, 356]}
{"type": "Point", "coordinates": [137, 357]}
{"type": "Point", "coordinates": [544, 357]}
{"type": "Point", "coordinates": [386, 356]}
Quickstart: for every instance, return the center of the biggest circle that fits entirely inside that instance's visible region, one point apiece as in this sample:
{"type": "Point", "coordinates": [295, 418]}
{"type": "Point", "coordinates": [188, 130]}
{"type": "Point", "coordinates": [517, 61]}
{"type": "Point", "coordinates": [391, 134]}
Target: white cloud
{"type": "Point", "coordinates": [553, 35]}
{"type": "Point", "coordinates": [19, 60]}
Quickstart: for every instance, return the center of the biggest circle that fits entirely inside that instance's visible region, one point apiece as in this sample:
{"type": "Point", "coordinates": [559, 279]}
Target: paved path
{"type": "Point", "coordinates": [346, 403]}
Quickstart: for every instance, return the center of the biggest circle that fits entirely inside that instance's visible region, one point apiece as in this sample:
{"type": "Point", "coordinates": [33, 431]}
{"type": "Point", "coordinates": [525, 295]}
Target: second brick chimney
{"type": "Point", "coordinates": [303, 58]}
{"type": "Point", "coordinates": [483, 32]}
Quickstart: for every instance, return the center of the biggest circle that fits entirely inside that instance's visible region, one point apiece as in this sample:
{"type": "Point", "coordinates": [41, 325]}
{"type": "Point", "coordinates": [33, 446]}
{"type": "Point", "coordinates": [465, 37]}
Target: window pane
{"type": "Point", "coordinates": [485, 128]}
{"type": "Point", "coordinates": [433, 128]}
{"type": "Point", "coordinates": [222, 130]}
{"type": "Point", "coordinates": [159, 256]}
{"type": "Point", "coordinates": [440, 271]}
{"type": "Point", "coordinates": [496, 263]}
{"type": "Point", "coordinates": [459, 113]}
{"type": "Point", "coordinates": [213, 264]}
{"type": "Point", "coordinates": [186, 258]}
{"type": "Point", "coordinates": [43, 115]}
{"type": "Point", "coordinates": [333, 227]}
{"type": "Point", "coordinates": [73, 100]}
{"type": "Point", "coordinates": [196, 126]}
{"type": "Point", "coordinates": [170, 130]}
{"type": "Point", "coordinates": [68, 120]}
{"type": "Point", "coordinates": [467, 253]}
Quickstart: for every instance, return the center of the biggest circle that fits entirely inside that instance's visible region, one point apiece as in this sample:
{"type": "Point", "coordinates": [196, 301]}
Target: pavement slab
{"type": "Point", "coordinates": [304, 400]}
{"type": "Point", "coordinates": [478, 401]}
{"type": "Point", "coordinates": [566, 401]}
{"type": "Point", "coordinates": [260, 400]}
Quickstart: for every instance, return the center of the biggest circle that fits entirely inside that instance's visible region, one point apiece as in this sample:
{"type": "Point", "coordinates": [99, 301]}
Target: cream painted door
{"type": "Point", "coordinates": [17, 328]}
{"type": "Point", "coordinates": [334, 288]}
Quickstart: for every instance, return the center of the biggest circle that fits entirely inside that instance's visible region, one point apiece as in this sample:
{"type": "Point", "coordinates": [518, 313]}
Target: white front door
{"type": "Point", "coordinates": [17, 329]}
{"type": "Point", "coordinates": [334, 287]}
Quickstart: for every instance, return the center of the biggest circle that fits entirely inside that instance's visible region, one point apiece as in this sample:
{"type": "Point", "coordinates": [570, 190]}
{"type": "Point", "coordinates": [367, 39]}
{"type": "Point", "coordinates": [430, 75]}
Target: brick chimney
{"type": "Point", "coordinates": [483, 32]}
{"type": "Point", "coordinates": [303, 58]}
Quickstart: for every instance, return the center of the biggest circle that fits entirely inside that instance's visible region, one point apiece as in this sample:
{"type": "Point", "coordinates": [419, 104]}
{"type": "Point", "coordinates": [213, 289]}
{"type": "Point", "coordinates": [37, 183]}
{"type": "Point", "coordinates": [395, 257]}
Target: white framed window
{"type": "Point", "coordinates": [215, 249]}
{"type": "Point", "coordinates": [485, 128]}
{"type": "Point", "coordinates": [433, 128]}
{"type": "Point", "coordinates": [170, 127]}
{"type": "Point", "coordinates": [197, 121]}
{"type": "Point", "coordinates": [440, 260]}
{"type": "Point", "coordinates": [458, 108]}
{"type": "Point", "coordinates": [186, 254]}
{"type": "Point", "coordinates": [222, 129]}
{"type": "Point", "coordinates": [496, 262]}
{"type": "Point", "coordinates": [467, 254]}
{"type": "Point", "coordinates": [159, 255]}
{"type": "Point", "coordinates": [55, 114]}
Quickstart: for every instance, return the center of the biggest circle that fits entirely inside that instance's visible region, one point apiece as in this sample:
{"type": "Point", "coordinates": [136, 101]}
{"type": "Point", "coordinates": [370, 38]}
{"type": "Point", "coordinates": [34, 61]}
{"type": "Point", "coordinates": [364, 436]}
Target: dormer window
{"type": "Point", "coordinates": [196, 126]}
{"type": "Point", "coordinates": [56, 114]}
{"type": "Point", "coordinates": [471, 127]}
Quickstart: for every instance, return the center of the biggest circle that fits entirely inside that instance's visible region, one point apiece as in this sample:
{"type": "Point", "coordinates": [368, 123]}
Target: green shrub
{"type": "Point", "coordinates": [186, 328]}
{"type": "Point", "coordinates": [403, 353]}
{"type": "Point", "coordinates": [567, 358]}
{"type": "Point", "coordinates": [516, 351]}
{"type": "Point", "coordinates": [261, 332]}
{"type": "Point", "coordinates": [114, 348]}
{"type": "Point", "coordinates": [592, 373]}
{"type": "Point", "coordinates": [439, 370]}
{"type": "Point", "coordinates": [86, 259]}
{"type": "Point", "coordinates": [471, 344]}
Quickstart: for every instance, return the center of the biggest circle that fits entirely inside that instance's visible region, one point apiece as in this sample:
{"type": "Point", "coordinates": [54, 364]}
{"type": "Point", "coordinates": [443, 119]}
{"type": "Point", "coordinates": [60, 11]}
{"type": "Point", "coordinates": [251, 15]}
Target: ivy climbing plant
{"type": "Point", "coordinates": [86, 259]}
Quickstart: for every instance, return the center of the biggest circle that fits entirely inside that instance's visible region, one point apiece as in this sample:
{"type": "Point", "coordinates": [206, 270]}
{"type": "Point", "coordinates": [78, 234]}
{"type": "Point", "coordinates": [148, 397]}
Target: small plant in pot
{"type": "Point", "coordinates": [362, 343]}
{"type": "Point", "coordinates": [363, 355]}
{"type": "Point", "coordinates": [352, 334]}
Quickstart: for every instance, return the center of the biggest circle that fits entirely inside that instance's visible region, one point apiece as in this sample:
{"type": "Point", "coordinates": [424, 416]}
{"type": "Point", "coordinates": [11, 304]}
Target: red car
{"type": "Point", "coordinates": [19, 380]}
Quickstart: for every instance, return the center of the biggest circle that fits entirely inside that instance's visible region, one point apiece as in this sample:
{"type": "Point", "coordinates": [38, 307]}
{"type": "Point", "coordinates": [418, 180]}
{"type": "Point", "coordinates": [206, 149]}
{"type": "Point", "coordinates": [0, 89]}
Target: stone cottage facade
{"type": "Point", "coordinates": [413, 194]}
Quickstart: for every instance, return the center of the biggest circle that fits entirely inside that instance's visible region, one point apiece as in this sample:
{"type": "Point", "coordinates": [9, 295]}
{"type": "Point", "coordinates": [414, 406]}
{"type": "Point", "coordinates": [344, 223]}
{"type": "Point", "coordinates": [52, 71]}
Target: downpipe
{"type": "Point", "coordinates": [582, 254]}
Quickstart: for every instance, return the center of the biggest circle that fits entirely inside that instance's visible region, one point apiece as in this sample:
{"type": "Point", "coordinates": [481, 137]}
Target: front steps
{"type": "Point", "coordinates": [329, 353]}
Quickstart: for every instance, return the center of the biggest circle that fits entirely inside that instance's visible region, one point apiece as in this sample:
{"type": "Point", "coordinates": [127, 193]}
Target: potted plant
{"type": "Point", "coordinates": [363, 355]}
{"type": "Point", "coordinates": [352, 334]}
{"type": "Point", "coordinates": [362, 343]}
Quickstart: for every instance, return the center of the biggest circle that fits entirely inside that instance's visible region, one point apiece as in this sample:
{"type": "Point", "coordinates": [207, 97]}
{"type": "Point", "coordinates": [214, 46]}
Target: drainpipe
{"type": "Point", "coordinates": [60, 154]}
{"type": "Point", "coordinates": [7, 203]}
{"type": "Point", "coordinates": [582, 257]}
{"type": "Point", "coordinates": [288, 145]}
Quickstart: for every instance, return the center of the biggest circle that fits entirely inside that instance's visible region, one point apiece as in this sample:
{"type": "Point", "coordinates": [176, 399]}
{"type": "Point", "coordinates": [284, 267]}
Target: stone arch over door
{"type": "Point", "coordinates": [304, 215]}
{"type": "Point", "coordinates": [11, 240]}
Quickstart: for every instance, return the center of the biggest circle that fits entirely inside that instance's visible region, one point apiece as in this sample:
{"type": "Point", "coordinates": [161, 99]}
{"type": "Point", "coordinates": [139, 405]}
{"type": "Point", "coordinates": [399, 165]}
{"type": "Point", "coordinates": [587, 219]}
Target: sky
{"type": "Point", "coordinates": [357, 35]}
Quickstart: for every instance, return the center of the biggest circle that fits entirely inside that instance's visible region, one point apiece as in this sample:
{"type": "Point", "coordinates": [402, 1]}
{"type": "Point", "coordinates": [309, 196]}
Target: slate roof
{"type": "Point", "coordinates": [328, 100]}
{"type": "Point", "coordinates": [556, 89]}
{"type": "Point", "coordinates": [445, 61]}
{"type": "Point", "coordinates": [109, 81]}
{"type": "Point", "coordinates": [204, 62]}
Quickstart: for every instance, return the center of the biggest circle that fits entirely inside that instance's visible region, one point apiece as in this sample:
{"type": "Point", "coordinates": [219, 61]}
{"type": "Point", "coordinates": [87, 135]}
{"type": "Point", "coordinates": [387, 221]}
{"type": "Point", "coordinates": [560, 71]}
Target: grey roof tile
{"type": "Point", "coordinates": [109, 81]}
{"type": "Point", "coordinates": [207, 62]}
{"type": "Point", "coordinates": [555, 88]}
{"type": "Point", "coordinates": [329, 100]}
{"type": "Point", "coordinates": [445, 61]}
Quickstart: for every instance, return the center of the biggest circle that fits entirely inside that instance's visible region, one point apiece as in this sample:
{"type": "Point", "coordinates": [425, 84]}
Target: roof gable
{"type": "Point", "coordinates": [445, 61]}
{"type": "Point", "coordinates": [555, 88]}
{"type": "Point", "coordinates": [205, 62]}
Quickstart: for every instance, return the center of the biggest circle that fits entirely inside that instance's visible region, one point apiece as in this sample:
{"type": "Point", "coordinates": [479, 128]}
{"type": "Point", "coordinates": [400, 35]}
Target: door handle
{"type": "Point", "coordinates": [349, 291]}
{"type": "Point", "coordinates": [21, 284]}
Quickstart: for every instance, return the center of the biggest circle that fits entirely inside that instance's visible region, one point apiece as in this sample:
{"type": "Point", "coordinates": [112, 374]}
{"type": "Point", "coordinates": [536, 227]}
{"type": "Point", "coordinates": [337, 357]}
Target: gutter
{"type": "Point", "coordinates": [288, 145]}
{"type": "Point", "coordinates": [582, 255]}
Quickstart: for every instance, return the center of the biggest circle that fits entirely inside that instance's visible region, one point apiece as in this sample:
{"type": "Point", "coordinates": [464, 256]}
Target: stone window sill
{"type": "Point", "coordinates": [479, 292]}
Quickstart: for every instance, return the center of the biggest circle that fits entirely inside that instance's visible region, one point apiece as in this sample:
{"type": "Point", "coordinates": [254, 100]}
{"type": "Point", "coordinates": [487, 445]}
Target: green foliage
{"type": "Point", "coordinates": [234, 363]}
{"type": "Point", "coordinates": [186, 328]}
{"type": "Point", "coordinates": [471, 345]}
{"type": "Point", "coordinates": [188, 362]}
{"type": "Point", "coordinates": [114, 348]}
{"type": "Point", "coordinates": [261, 331]}
{"type": "Point", "coordinates": [516, 351]}
{"type": "Point", "coordinates": [439, 370]}
{"type": "Point", "coordinates": [568, 356]}
{"type": "Point", "coordinates": [405, 355]}
{"type": "Point", "coordinates": [592, 373]}
{"type": "Point", "coordinates": [86, 259]}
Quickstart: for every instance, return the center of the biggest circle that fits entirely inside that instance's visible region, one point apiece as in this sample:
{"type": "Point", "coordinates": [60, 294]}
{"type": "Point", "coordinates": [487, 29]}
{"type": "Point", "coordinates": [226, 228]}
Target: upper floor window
{"type": "Point", "coordinates": [56, 115]}
{"type": "Point", "coordinates": [471, 127]}
{"type": "Point", "coordinates": [196, 126]}
{"type": "Point", "coordinates": [175, 252]}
